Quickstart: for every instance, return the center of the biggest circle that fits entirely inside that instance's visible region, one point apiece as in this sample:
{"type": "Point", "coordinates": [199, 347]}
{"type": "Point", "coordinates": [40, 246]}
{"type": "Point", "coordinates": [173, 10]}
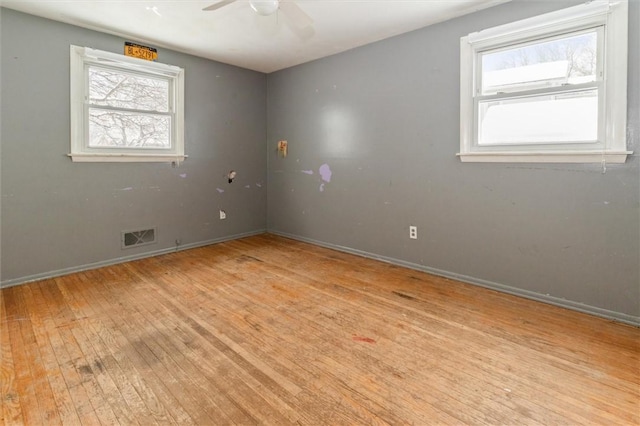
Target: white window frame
{"type": "Point", "coordinates": [611, 147]}
{"type": "Point", "coordinates": [81, 58]}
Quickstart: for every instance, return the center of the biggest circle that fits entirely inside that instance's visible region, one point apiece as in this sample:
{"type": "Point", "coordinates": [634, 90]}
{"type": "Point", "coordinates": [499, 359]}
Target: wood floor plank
{"type": "Point", "coordinates": [161, 350]}
{"type": "Point", "coordinates": [60, 392]}
{"type": "Point", "coordinates": [238, 367]}
{"type": "Point", "coordinates": [257, 290]}
{"type": "Point", "coordinates": [82, 300]}
{"type": "Point", "coordinates": [71, 336]}
{"type": "Point", "coordinates": [222, 337]}
{"type": "Point", "coordinates": [342, 324]}
{"type": "Point", "coordinates": [596, 399]}
{"type": "Point", "coordinates": [36, 398]}
{"type": "Point", "coordinates": [98, 365]}
{"type": "Point", "coordinates": [238, 360]}
{"type": "Point", "coordinates": [267, 330]}
{"type": "Point", "coordinates": [369, 363]}
{"type": "Point", "coordinates": [11, 412]}
{"type": "Point", "coordinates": [277, 330]}
{"type": "Point", "coordinates": [127, 350]}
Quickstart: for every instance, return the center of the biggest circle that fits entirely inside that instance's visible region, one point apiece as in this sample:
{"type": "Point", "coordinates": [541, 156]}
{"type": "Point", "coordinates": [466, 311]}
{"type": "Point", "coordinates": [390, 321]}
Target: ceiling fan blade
{"type": "Point", "coordinates": [297, 17]}
{"type": "Point", "coordinates": [218, 5]}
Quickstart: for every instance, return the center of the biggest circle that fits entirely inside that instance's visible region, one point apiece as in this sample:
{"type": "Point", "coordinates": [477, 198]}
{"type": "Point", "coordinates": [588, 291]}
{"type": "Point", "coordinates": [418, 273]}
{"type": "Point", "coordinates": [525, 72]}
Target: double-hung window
{"type": "Point", "coordinates": [547, 89]}
{"type": "Point", "coordinates": [125, 109]}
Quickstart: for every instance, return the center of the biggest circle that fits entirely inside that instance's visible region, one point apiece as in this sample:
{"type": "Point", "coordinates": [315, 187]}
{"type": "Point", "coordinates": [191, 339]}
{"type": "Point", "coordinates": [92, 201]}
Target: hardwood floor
{"type": "Point", "coordinates": [267, 330]}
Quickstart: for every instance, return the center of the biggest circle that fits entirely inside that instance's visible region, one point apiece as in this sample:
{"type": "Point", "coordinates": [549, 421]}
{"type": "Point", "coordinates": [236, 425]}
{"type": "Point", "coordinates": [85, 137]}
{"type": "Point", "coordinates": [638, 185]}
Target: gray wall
{"type": "Point", "coordinates": [385, 118]}
{"type": "Point", "coordinates": [58, 215]}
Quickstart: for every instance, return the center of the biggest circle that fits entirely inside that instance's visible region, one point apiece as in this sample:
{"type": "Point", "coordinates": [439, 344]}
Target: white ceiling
{"type": "Point", "coordinates": [235, 34]}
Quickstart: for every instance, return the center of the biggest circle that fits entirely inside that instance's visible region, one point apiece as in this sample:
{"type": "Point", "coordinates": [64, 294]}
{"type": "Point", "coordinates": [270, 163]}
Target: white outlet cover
{"type": "Point", "coordinates": [413, 232]}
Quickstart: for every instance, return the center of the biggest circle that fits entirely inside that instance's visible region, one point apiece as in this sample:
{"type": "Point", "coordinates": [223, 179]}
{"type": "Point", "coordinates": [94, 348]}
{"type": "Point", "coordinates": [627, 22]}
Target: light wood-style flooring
{"type": "Point", "coordinates": [266, 330]}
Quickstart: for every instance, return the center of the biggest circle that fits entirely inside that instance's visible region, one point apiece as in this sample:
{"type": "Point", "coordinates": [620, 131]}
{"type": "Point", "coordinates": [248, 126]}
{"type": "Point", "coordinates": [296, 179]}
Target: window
{"type": "Point", "coordinates": [125, 109]}
{"type": "Point", "coordinates": [552, 88]}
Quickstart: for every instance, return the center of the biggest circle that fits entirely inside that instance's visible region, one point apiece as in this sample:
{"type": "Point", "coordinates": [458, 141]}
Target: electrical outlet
{"type": "Point", "coordinates": [223, 215]}
{"type": "Point", "coordinates": [413, 232]}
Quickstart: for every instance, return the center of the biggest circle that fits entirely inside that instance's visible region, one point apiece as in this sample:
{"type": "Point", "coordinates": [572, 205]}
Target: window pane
{"type": "Point", "coordinates": [120, 90]}
{"type": "Point", "coordinates": [115, 129]}
{"type": "Point", "coordinates": [561, 118]}
{"type": "Point", "coordinates": [567, 60]}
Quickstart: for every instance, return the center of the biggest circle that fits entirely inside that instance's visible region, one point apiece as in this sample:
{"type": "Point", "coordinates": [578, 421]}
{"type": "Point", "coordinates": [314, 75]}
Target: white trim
{"type": "Point", "coordinates": [610, 157]}
{"type": "Point", "coordinates": [100, 57]}
{"type": "Point", "coordinates": [131, 158]}
{"type": "Point", "coordinates": [563, 20]}
{"type": "Point", "coordinates": [80, 151]}
{"type": "Point", "coordinates": [616, 53]}
{"type": "Point", "coordinates": [612, 92]}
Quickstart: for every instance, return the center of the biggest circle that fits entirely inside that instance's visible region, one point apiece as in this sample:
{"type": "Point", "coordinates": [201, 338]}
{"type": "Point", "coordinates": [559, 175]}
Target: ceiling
{"type": "Point", "coordinates": [235, 34]}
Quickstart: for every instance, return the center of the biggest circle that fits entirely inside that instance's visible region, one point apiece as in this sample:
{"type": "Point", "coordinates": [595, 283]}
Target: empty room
{"type": "Point", "coordinates": [318, 212]}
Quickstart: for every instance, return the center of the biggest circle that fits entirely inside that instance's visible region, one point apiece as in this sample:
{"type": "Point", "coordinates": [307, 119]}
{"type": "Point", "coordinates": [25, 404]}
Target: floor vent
{"type": "Point", "coordinates": [138, 238]}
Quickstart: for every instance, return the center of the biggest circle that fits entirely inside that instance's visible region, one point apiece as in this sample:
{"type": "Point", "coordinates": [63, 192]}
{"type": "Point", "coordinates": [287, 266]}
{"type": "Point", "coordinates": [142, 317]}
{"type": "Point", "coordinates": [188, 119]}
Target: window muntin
{"type": "Point", "coordinates": [125, 109]}
{"type": "Point", "coordinates": [548, 88]}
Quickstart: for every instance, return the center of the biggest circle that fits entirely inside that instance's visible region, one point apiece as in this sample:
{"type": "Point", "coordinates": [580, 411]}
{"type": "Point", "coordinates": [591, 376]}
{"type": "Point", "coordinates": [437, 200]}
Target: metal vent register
{"type": "Point", "coordinates": [138, 238]}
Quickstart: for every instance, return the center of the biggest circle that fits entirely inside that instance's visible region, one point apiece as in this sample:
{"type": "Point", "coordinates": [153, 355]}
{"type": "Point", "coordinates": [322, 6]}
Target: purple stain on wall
{"type": "Point", "coordinates": [220, 190]}
{"type": "Point", "coordinates": [183, 175]}
{"type": "Point", "coordinates": [307, 172]}
{"type": "Point", "coordinates": [325, 172]}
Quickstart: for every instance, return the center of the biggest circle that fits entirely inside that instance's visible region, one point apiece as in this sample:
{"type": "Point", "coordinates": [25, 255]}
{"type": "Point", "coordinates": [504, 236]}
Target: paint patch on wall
{"type": "Point", "coordinates": [307, 172]}
{"type": "Point", "coordinates": [220, 190]}
{"type": "Point", "coordinates": [183, 175]}
{"type": "Point", "coordinates": [325, 172]}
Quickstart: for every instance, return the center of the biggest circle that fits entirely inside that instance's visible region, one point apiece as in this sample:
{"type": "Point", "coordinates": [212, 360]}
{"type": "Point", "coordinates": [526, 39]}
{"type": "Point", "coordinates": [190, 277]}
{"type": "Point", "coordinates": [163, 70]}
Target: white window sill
{"type": "Point", "coordinates": [127, 158]}
{"type": "Point", "coordinates": [611, 157]}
